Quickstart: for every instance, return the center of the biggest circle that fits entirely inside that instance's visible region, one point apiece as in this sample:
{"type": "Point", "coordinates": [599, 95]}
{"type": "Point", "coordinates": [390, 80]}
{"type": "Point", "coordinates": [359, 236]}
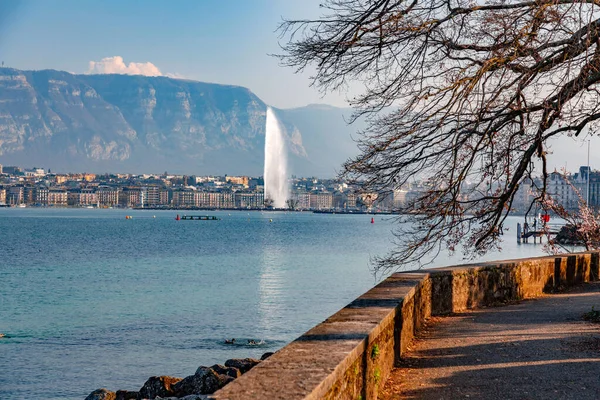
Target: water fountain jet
{"type": "Point", "coordinates": [275, 175]}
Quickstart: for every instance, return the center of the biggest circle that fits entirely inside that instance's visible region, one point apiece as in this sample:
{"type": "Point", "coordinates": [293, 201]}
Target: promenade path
{"type": "Point", "coordinates": [535, 349]}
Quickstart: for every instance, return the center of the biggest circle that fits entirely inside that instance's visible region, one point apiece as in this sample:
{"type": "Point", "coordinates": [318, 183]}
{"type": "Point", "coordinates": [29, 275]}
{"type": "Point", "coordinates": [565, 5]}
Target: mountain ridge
{"type": "Point", "coordinates": [114, 123]}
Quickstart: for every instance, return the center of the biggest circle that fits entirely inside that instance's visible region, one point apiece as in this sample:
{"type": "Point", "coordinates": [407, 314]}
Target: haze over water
{"type": "Point", "coordinates": [93, 300]}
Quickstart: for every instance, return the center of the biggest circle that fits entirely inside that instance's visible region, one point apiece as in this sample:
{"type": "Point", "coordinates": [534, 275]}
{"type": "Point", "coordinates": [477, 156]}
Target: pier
{"type": "Point", "coordinates": [200, 217]}
{"type": "Point", "coordinates": [525, 231]}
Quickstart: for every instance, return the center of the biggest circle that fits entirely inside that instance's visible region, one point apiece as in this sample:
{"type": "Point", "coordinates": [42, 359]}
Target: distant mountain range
{"type": "Point", "coordinates": [125, 123]}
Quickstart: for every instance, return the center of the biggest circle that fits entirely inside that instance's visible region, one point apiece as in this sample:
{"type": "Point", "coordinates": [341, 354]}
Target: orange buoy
{"type": "Point", "coordinates": [177, 218]}
{"type": "Point", "coordinates": [372, 220]}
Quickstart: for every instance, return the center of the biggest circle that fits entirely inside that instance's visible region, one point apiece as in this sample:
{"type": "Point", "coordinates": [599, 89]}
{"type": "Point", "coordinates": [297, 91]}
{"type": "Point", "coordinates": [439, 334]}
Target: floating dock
{"type": "Point", "coordinates": [200, 217]}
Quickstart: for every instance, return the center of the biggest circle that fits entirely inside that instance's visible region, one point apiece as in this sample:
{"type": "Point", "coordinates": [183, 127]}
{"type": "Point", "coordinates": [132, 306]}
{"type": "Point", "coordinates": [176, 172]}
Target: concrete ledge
{"type": "Point", "coordinates": [350, 354]}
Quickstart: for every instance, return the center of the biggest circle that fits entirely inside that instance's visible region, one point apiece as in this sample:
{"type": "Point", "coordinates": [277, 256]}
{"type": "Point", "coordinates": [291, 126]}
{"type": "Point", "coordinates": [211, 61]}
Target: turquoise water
{"type": "Point", "coordinates": [90, 299]}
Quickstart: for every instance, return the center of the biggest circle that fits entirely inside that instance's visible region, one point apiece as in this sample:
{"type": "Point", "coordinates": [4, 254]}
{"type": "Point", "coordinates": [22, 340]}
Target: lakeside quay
{"type": "Point", "coordinates": [352, 353]}
{"type": "Point", "coordinates": [395, 341]}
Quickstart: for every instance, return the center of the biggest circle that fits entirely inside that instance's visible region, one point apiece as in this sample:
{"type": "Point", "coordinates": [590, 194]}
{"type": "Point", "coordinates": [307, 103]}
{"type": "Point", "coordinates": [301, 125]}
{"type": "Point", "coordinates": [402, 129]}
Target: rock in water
{"type": "Point", "coordinates": [243, 364]}
{"type": "Point", "coordinates": [156, 386]}
{"type": "Point", "coordinates": [204, 381]}
{"type": "Point", "coordinates": [266, 355]}
{"type": "Point", "coordinates": [101, 394]}
{"type": "Point", "coordinates": [127, 395]}
{"type": "Point", "coordinates": [223, 370]}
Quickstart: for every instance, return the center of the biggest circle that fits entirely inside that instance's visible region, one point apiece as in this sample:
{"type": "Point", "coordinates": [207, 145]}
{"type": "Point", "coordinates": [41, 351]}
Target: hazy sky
{"type": "Point", "coordinates": [226, 41]}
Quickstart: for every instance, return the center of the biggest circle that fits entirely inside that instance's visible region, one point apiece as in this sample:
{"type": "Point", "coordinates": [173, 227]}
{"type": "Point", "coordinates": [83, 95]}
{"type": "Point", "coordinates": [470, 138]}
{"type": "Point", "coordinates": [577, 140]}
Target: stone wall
{"type": "Point", "coordinates": [351, 353]}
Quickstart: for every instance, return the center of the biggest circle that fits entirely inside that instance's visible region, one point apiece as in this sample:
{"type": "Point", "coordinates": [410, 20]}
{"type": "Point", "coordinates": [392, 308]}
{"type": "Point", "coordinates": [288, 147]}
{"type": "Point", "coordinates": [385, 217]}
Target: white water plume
{"type": "Point", "coordinates": [276, 179]}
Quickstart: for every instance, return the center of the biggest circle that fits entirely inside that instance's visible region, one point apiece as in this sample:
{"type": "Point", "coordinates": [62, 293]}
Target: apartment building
{"type": "Point", "coordinates": [58, 197]}
{"type": "Point", "coordinates": [107, 196]}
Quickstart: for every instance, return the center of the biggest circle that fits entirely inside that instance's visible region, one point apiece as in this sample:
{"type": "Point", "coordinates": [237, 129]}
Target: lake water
{"type": "Point", "coordinates": [91, 299]}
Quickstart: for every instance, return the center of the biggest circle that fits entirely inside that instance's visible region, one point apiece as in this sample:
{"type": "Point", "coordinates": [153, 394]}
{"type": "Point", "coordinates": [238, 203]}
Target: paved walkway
{"type": "Point", "coordinates": [536, 349]}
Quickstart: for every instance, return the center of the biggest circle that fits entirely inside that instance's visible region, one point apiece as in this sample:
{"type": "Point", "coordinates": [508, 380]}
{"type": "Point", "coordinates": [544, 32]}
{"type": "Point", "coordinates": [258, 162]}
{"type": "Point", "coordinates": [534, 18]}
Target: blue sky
{"type": "Point", "coordinates": [226, 41]}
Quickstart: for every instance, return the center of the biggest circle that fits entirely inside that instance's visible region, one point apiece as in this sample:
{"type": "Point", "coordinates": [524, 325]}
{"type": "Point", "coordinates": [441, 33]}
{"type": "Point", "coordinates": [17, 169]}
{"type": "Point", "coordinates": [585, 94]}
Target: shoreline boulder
{"type": "Point", "coordinates": [127, 395]}
{"type": "Point", "coordinates": [158, 386]}
{"type": "Point", "coordinates": [243, 364]}
{"type": "Point", "coordinates": [204, 381]}
{"type": "Point", "coordinates": [223, 370]}
{"type": "Point", "coordinates": [101, 394]}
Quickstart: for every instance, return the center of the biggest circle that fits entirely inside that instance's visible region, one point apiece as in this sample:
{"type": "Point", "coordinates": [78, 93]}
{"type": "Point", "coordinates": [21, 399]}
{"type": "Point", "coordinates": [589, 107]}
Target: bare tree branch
{"type": "Point", "coordinates": [463, 94]}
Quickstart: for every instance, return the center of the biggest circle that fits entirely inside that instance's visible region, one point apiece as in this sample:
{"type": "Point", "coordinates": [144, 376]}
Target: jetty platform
{"type": "Point", "coordinates": [533, 349]}
{"type": "Point", "coordinates": [200, 217]}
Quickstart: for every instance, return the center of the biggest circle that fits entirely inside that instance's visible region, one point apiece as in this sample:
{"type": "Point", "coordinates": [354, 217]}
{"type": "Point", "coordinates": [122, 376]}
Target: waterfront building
{"type": "Point", "coordinates": [567, 194]}
{"type": "Point", "coordinates": [580, 181]}
{"type": "Point", "coordinates": [321, 201]}
{"type": "Point", "coordinates": [131, 197]}
{"type": "Point", "coordinates": [2, 196]}
{"type": "Point", "coordinates": [165, 197]}
{"type": "Point", "coordinates": [82, 197]}
{"type": "Point", "coordinates": [227, 200]}
{"type": "Point", "coordinates": [201, 199]}
{"type": "Point", "coordinates": [184, 198]}
{"type": "Point", "coordinates": [73, 197]}
{"type": "Point", "coordinates": [152, 196]}
{"type": "Point", "coordinates": [249, 200]}
{"type": "Point", "coordinates": [29, 194]}
{"type": "Point", "coordinates": [16, 195]}
{"type": "Point", "coordinates": [57, 197]}
{"type": "Point", "coordinates": [351, 200]}
{"type": "Point", "coordinates": [41, 195]}
{"type": "Point", "coordinates": [214, 200]}
{"type": "Point", "coordinates": [595, 189]}
{"type": "Point", "coordinates": [303, 200]}
{"type": "Point", "coordinates": [339, 200]}
{"type": "Point", "coordinates": [244, 200]}
{"type": "Point", "coordinates": [107, 196]}
{"type": "Point", "coordinates": [561, 191]}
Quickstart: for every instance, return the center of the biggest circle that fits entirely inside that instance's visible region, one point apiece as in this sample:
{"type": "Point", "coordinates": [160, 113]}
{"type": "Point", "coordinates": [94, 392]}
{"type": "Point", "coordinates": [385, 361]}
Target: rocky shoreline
{"type": "Point", "coordinates": [205, 381]}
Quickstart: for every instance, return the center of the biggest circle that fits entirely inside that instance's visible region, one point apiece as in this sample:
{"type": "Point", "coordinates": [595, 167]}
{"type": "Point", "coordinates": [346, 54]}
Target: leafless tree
{"type": "Point", "coordinates": [268, 202]}
{"type": "Point", "coordinates": [292, 204]}
{"type": "Point", "coordinates": [463, 94]}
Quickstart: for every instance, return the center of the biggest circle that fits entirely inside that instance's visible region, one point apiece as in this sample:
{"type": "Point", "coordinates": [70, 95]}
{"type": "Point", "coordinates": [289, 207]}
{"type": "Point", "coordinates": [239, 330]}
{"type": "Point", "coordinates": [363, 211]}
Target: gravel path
{"type": "Point", "coordinates": [536, 349]}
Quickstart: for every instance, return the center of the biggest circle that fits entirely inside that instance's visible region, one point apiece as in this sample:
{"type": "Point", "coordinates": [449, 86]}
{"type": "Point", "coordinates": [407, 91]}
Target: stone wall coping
{"type": "Point", "coordinates": [337, 358]}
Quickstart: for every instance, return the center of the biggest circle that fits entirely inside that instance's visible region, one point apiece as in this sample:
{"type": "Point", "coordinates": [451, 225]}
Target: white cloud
{"type": "Point", "coordinates": [116, 65]}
